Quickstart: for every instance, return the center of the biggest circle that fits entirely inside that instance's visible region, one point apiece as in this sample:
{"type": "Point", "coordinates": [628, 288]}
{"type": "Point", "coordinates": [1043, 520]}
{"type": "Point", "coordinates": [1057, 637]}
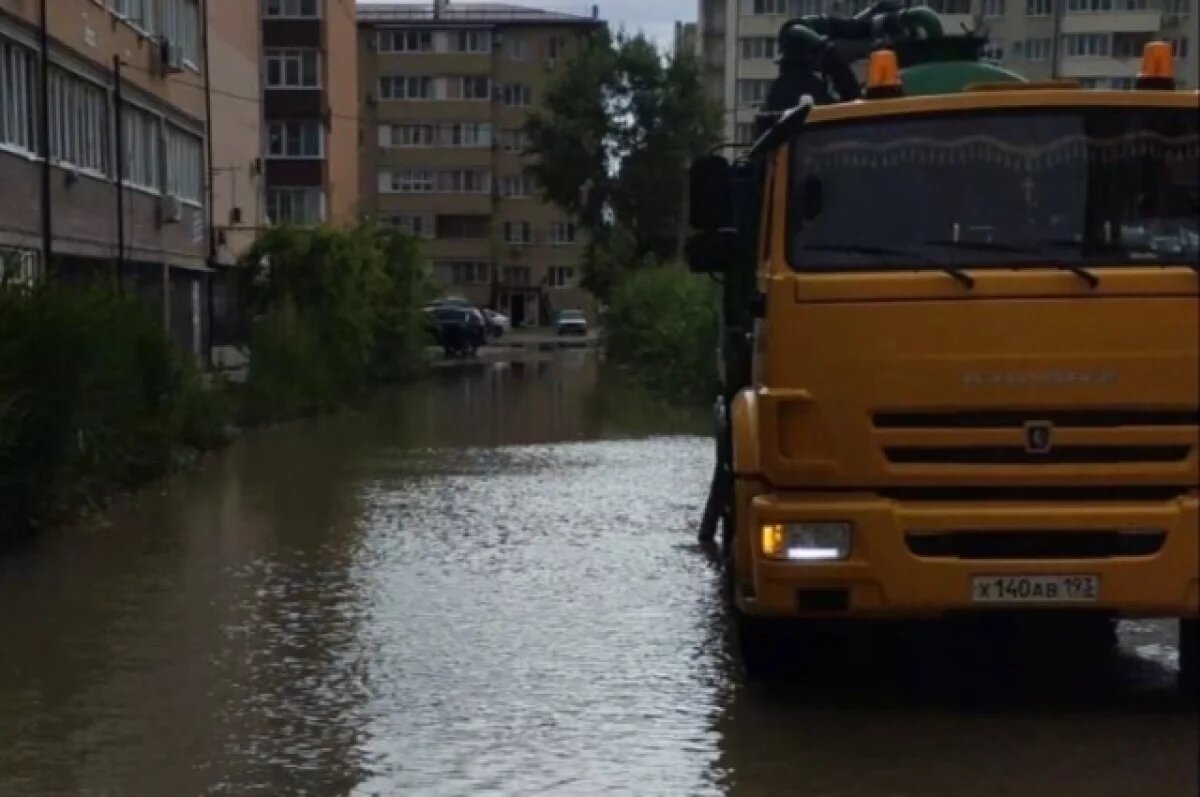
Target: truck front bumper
{"type": "Point", "coordinates": [889, 572]}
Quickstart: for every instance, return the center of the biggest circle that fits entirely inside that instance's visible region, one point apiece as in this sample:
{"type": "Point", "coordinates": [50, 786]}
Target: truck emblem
{"type": "Point", "coordinates": [1038, 436]}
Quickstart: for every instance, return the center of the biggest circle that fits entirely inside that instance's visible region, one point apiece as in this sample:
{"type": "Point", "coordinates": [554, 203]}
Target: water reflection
{"type": "Point", "coordinates": [487, 584]}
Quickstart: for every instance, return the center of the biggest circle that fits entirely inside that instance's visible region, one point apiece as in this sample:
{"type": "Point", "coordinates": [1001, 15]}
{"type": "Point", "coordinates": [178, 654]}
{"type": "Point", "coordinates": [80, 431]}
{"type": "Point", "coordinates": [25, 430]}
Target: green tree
{"type": "Point", "coordinates": [614, 136]}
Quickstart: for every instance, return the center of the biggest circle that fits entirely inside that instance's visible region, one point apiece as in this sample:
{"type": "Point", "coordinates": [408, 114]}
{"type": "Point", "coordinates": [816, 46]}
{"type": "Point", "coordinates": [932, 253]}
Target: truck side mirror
{"type": "Point", "coordinates": [711, 194]}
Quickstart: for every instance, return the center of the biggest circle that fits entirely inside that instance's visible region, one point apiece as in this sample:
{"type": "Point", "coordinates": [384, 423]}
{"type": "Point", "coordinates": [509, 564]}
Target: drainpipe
{"type": "Point", "coordinates": [210, 174]}
{"type": "Point", "coordinates": [1056, 47]}
{"type": "Point", "coordinates": [119, 120]}
{"type": "Point", "coordinates": [44, 122]}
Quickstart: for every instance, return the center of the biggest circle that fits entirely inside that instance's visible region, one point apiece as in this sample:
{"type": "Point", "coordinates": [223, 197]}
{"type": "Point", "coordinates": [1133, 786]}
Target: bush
{"type": "Point", "coordinates": [93, 399]}
{"type": "Point", "coordinates": [661, 325]}
{"type": "Point", "coordinates": [330, 311]}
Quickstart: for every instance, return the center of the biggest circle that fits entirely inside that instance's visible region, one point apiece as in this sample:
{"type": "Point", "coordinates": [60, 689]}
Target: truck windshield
{"type": "Point", "coordinates": [1086, 187]}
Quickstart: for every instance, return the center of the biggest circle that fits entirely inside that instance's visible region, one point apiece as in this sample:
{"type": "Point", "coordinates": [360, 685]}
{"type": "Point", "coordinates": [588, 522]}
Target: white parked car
{"type": "Point", "coordinates": [498, 323]}
{"type": "Point", "coordinates": [571, 322]}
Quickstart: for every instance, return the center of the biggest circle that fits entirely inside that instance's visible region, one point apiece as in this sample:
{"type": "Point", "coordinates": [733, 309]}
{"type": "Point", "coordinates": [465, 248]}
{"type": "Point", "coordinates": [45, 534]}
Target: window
{"type": "Point", "coordinates": [562, 233]}
{"type": "Point", "coordinates": [464, 134]}
{"type": "Point", "coordinates": [469, 87]}
{"type": "Point", "coordinates": [518, 232]}
{"type": "Point", "coordinates": [514, 141]}
{"type": "Point", "coordinates": [405, 87]}
{"type": "Point", "coordinates": [561, 277]}
{"type": "Point", "coordinates": [78, 122]}
{"type": "Point", "coordinates": [1087, 45]}
{"type": "Point", "coordinates": [1038, 49]}
{"type": "Point", "coordinates": [463, 272]}
{"type": "Point", "coordinates": [556, 48]}
{"type": "Point", "coordinates": [758, 48]}
{"type": "Point", "coordinates": [516, 186]}
{"type": "Point", "coordinates": [185, 164]}
{"type": "Point", "coordinates": [516, 275]}
{"type": "Point", "coordinates": [1089, 5]}
{"type": "Point", "coordinates": [1133, 5]}
{"type": "Point", "coordinates": [767, 6]}
{"type": "Point", "coordinates": [993, 51]}
{"type": "Point", "coordinates": [295, 139]}
{"type": "Point", "coordinates": [753, 92]}
{"type": "Point", "coordinates": [293, 69]}
{"type": "Point", "coordinates": [135, 12]}
{"type": "Point", "coordinates": [517, 95]}
{"type": "Point", "coordinates": [464, 181]}
{"type": "Point", "coordinates": [140, 131]}
{"type": "Point", "coordinates": [410, 135]}
{"type": "Point", "coordinates": [745, 134]}
{"type": "Point", "coordinates": [516, 48]}
{"type": "Point", "coordinates": [993, 8]}
{"type": "Point", "coordinates": [405, 41]}
{"type": "Point", "coordinates": [1129, 45]}
{"type": "Point", "coordinates": [470, 41]}
{"type": "Point", "coordinates": [1179, 46]}
{"type": "Point", "coordinates": [1039, 8]}
{"type": "Point", "coordinates": [406, 181]}
{"type": "Point", "coordinates": [295, 206]}
{"type": "Point", "coordinates": [463, 227]}
{"type": "Point", "coordinates": [181, 27]}
{"type": "Point", "coordinates": [292, 9]}
{"type": "Point", "coordinates": [418, 225]}
{"type": "Point", "coordinates": [18, 94]}
{"type": "Point", "coordinates": [19, 267]}
{"type": "Point", "coordinates": [805, 8]}
{"type": "Point", "coordinates": [1180, 7]}
{"type": "Point", "coordinates": [950, 6]}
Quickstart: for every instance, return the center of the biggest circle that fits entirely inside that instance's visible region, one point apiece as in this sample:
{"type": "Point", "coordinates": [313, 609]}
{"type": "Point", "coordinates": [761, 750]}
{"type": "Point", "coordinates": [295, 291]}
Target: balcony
{"type": "Point", "coordinates": [1112, 22]}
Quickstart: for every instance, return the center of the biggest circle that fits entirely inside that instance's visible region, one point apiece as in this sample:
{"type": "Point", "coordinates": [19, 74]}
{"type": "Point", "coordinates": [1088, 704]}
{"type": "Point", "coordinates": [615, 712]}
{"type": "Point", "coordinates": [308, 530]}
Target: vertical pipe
{"type": "Point", "coordinates": [44, 122]}
{"type": "Point", "coordinates": [119, 165]}
{"type": "Point", "coordinates": [210, 173]}
{"type": "Point", "coordinates": [1056, 46]}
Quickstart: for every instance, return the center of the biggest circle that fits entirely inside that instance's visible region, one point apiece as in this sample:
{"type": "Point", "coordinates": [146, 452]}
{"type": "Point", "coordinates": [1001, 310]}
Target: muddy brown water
{"type": "Point", "coordinates": [487, 584]}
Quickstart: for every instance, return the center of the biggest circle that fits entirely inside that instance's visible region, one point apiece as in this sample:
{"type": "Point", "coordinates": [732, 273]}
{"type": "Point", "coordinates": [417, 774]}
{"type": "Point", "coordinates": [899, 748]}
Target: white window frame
{"type": "Point", "coordinates": [562, 277]}
{"type": "Point", "coordinates": [471, 41]}
{"type": "Point", "coordinates": [1079, 45]}
{"type": "Point", "coordinates": [135, 13]}
{"type": "Point", "coordinates": [284, 131]}
{"type": "Point", "coordinates": [464, 181]}
{"type": "Point", "coordinates": [410, 41]}
{"type": "Point", "coordinates": [297, 56]}
{"type": "Point", "coordinates": [184, 164]}
{"type": "Point", "coordinates": [141, 132]}
{"type": "Point", "coordinates": [181, 27]}
{"type": "Point", "coordinates": [1089, 6]}
{"type": "Point", "coordinates": [290, 9]}
{"type": "Point", "coordinates": [400, 88]}
{"type": "Point", "coordinates": [994, 9]}
{"type": "Point", "coordinates": [525, 230]}
{"type": "Point", "coordinates": [517, 95]}
{"type": "Point", "coordinates": [311, 196]}
{"type": "Point", "coordinates": [516, 47]}
{"type": "Point", "coordinates": [18, 98]}
{"type": "Point", "coordinates": [758, 48]}
{"type": "Point", "coordinates": [562, 233]}
{"type": "Point", "coordinates": [765, 7]}
{"type": "Point", "coordinates": [514, 140]}
{"type": "Point", "coordinates": [752, 91]}
{"type": "Point", "coordinates": [516, 186]}
{"type": "Point", "coordinates": [79, 123]}
{"type": "Point", "coordinates": [1039, 8]}
{"type": "Point", "coordinates": [407, 181]}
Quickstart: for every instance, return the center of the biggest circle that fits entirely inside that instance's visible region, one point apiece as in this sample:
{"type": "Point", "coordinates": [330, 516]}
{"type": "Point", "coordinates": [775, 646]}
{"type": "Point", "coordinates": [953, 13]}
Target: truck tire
{"type": "Point", "coordinates": [758, 650]}
{"type": "Point", "coordinates": [1189, 652]}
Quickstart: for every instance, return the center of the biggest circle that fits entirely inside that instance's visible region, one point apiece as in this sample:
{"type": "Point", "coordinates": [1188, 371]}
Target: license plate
{"type": "Point", "coordinates": [1035, 589]}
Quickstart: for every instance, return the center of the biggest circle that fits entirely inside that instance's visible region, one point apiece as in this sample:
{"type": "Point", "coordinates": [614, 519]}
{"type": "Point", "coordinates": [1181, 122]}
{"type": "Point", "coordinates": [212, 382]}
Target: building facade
{"type": "Point", "coordinates": [1097, 42]}
{"type": "Point", "coordinates": [310, 103]}
{"type": "Point", "coordinates": [446, 92]}
{"type": "Point", "coordinates": [104, 142]}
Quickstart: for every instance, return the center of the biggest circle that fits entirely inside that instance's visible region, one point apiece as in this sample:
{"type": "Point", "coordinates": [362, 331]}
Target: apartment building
{"type": "Point", "coordinates": [1098, 42]}
{"type": "Point", "coordinates": [446, 92]}
{"type": "Point", "coordinates": [310, 104]}
{"type": "Point", "coordinates": [104, 162]}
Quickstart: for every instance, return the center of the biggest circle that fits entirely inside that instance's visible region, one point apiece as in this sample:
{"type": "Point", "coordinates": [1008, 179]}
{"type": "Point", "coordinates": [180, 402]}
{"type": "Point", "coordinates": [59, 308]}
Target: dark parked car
{"type": "Point", "coordinates": [460, 331]}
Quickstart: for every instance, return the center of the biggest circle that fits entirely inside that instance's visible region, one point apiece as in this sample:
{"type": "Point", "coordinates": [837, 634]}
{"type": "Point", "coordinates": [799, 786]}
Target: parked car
{"type": "Point", "coordinates": [498, 323]}
{"type": "Point", "coordinates": [460, 331]}
{"type": "Point", "coordinates": [571, 322]}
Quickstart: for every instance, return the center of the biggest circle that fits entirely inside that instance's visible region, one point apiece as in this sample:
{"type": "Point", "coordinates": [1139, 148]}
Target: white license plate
{"type": "Point", "coordinates": [1035, 589]}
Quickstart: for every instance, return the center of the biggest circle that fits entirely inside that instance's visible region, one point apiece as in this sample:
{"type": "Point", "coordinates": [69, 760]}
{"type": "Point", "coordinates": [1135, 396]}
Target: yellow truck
{"type": "Point", "coordinates": [961, 339]}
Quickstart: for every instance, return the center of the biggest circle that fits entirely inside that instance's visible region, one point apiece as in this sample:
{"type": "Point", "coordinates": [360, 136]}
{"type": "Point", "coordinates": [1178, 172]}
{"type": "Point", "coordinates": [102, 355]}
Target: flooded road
{"type": "Point", "coordinates": [487, 584]}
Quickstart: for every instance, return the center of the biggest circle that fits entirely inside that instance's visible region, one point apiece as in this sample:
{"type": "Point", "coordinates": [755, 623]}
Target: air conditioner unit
{"type": "Point", "coordinates": [170, 57]}
{"type": "Point", "coordinates": [170, 209]}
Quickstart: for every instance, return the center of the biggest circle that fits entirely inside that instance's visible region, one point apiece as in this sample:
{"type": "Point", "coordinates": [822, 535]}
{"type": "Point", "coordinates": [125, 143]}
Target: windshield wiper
{"type": "Point", "coordinates": [963, 277]}
{"type": "Point", "coordinates": [1096, 246]}
{"type": "Point", "coordinates": [1090, 278]}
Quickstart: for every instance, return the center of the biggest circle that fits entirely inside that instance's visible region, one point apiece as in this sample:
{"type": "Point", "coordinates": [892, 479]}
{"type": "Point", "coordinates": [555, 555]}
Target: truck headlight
{"type": "Point", "coordinates": [806, 542]}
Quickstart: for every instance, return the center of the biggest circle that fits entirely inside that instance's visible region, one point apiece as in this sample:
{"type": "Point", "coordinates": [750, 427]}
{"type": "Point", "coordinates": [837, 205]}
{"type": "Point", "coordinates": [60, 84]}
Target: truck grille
{"type": "Point", "coordinates": [1014, 455]}
{"type": "Point", "coordinates": [1027, 544]}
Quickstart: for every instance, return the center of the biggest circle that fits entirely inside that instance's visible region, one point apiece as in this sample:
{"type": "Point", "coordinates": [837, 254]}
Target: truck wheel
{"type": "Point", "coordinates": [1189, 651]}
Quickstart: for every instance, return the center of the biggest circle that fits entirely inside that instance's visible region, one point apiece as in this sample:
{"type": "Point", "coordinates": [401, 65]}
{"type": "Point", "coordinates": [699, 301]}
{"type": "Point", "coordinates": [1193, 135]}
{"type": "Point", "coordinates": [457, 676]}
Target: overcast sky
{"type": "Point", "coordinates": [655, 17]}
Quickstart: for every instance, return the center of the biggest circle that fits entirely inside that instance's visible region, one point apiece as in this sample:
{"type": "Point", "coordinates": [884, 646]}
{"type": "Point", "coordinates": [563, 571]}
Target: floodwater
{"type": "Point", "coordinates": [487, 584]}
